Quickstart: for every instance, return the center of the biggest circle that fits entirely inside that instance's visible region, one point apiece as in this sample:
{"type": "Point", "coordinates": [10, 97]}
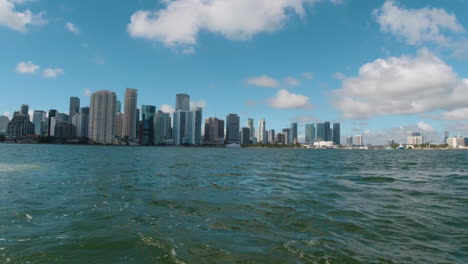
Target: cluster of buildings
{"type": "Point", "coordinates": [103, 122]}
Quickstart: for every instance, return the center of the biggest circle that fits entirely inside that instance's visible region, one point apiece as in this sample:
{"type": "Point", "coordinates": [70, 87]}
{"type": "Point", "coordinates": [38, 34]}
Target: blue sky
{"type": "Point", "coordinates": [378, 67]}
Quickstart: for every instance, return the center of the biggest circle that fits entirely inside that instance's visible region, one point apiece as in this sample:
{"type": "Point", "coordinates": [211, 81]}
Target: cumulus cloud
{"type": "Point", "coordinates": [26, 67]}
{"type": "Point", "coordinates": [291, 81]}
{"type": "Point", "coordinates": [417, 26]}
{"type": "Point", "coordinates": [167, 108]}
{"type": "Point", "coordinates": [263, 81]}
{"type": "Point", "coordinates": [52, 73]}
{"type": "Point", "coordinates": [401, 85]}
{"type": "Point", "coordinates": [380, 137]}
{"type": "Point", "coordinates": [339, 76]}
{"type": "Point", "coordinates": [287, 100]}
{"type": "Point", "coordinates": [195, 104]}
{"type": "Point", "coordinates": [180, 21]}
{"type": "Point", "coordinates": [72, 28]}
{"type": "Point", "coordinates": [17, 20]}
{"type": "Point", "coordinates": [425, 127]}
{"type": "Point", "coordinates": [457, 114]}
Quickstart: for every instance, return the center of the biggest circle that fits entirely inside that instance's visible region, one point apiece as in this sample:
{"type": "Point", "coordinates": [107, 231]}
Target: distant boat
{"type": "Point", "coordinates": [233, 145]}
{"type": "Point", "coordinates": [401, 147]}
{"type": "Point", "coordinates": [388, 148]}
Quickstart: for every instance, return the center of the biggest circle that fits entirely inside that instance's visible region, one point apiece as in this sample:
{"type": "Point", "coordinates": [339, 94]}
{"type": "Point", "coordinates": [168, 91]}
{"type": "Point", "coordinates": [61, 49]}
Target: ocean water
{"type": "Point", "coordinates": [90, 204]}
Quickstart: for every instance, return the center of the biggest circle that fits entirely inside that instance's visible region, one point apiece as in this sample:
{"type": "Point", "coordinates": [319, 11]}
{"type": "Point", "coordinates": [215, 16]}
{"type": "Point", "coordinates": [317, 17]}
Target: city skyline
{"type": "Point", "coordinates": [294, 71]}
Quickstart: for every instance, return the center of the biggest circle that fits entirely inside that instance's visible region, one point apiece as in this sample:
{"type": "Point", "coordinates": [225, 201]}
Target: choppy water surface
{"type": "Point", "coordinates": [85, 204]}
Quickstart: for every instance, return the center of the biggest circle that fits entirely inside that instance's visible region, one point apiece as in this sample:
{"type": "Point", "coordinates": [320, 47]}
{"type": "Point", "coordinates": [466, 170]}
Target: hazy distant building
{"type": "Point", "coordinates": [357, 140]}
{"type": "Point", "coordinates": [309, 133]}
{"type": "Point", "coordinates": [101, 117]}
{"type": "Point", "coordinates": [24, 110]}
{"type": "Point", "coordinates": [280, 138]}
{"type": "Point", "coordinates": [320, 136]}
{"type": "Point", "coordinates": [40, 122]}
{"type": "Point", "coordinates": [293, 134]}
{"type": "Point", "coordinates": [287, 137]}
{"type": "Point", "coordinates": [349, 141]}
{"type": "Point", "coordinates": [456, 142]}
{"type": "Point", "coordinates": [130, 113]}
{"type": "Point", "coordinates": [245, 135]}
{"type": "Point", "coordinates": [446, 136]}
{"type": "Point", "coordinates": [162, 128]}
{"type": "Point", "coordinates": [328, 132]}
{"type": "Point", "coordinates": [52, 113]}
{"type": "Point", "coordinates": [390, 142]}
{"type": "Point", "coordinates": [232, 128]}
{"type": "Point", "coordinates": [414, 138]}
{"type": "Point", "coordinates": [182, 102]}
{"type": "Point", "coordinates": [19, 127]}
{"type": "Point", "coordinates": [251, 126]}
{"type": "Point", "coordinates": [118, 124]}
{"type": "Point", "coordinates": [261, 129]}
{"type": "Point", "coordinates": [4, 120]}
{"type": "Point", "coordinates": [271, 136]}
{"type": "Point", "coordinates": [336, 134]}
{"type": "Point", "coordinates": [74, 106]}
{"type": "Point", "coordinates": [214, 131]}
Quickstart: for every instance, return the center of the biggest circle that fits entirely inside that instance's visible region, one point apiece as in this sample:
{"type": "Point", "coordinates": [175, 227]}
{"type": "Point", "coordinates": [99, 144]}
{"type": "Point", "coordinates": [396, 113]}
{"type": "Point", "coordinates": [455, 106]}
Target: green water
{"type": "Point", "coordinates": [87, 204]}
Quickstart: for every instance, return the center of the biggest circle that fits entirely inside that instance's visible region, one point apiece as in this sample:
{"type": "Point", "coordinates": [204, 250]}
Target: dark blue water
{"type": "Point", "coordinates": [88, 204]}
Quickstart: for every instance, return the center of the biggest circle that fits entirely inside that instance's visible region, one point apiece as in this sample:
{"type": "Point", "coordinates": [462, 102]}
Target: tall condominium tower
{"type": "Point", "coordinates": [232, 128]}
{"type": "Point", "coordinates": [214, 131]}
{"type": "Point", "coordinates": [118, 124]}
{"type": "Point", "coordinates": [162, 128]}
{"type": "Point", "coordinates": [194, 127]}
{"type": "Point", "coordinates": [118, 107]}
{"type": "Point", "coordinates": [261, 129]}
{"type": "Point", "coordinates": [182, 102]}
{"type": "Point", "coordinates": [357, 140]}
{"type": "Point", "coordinates": [328, 132]}
{"type": "Point", "coordinates": [309, 133]}
{"type": "Point", "coordinates": [101, 116]}
{"type": "Point", "coordinates": [148, 112]}
{"type": "Point", "coordinates": [74, 106]}
{"type": "Point", "coordinates": [349, 141]}
{"type": "Point", "coordinates": [271, 136]}
{"type": "Point", "coordinates": [24, 110]}
{"type": "Point", "coordinates": [251, 126]}
{"type": "Point", "coordinates": [320, 132]}
{"type": "Point", "coordinates": [81, 122]}
{"type": "Point", "coordinates": [130, 113]}
{"type": "Point", "coordinates": [4, 120]}
{"type": "Point", "coordinates": [293, 133]}
{"type": "Point", "coordinates": [245, 135]}
{"type": "Point", "coordinates": [286, 133]}
{"type": "Point", "coordinates": [52, 113]}
{"type": "Point", "coordinates": [179, 127]}
{"type": "Point", "coordinates": [40, 122]}
{"type": "Point", "coordinates": [336, 134]}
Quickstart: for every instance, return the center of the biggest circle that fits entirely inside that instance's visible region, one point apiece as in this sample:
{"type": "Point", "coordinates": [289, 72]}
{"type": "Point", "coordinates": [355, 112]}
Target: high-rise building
{"type": "Point", "coordinates": [293, 134]}
{"type": "Point", "coordinates": [64, 130]}
{"type": "Point", "coordinates": [261, 129]}
{"type": "Point", "coordinates": [280, 138]}
{"type": "Point", "coordinates": [19, 127]}
{"type": "Point", "coordinates": [182, 102]}
{"type": "Point", "coordinates": [52, 113]}
{"type": "Point", "coordinates": [390, 142]}
{"type": "Point", "coordinates": [40, 122]}
{"type": "Point", "coordinates": [118, 124]}
{"type": "Point", "coordinates": [232, 128]}
{"type": "Point", "coordinates": [251, 126]}
{"type": "Point", "coordinates": [101, 117]}
{"type": "Point", "coordinates": [414, 138]}
{"type": "Point", "coordinates": [286, 132]}
{"type": "Point", "coordinates": [309, 133]}
{"type": "Point", "coordinates": [328, 132]}
{"type": "Point", "coordinates": [349, 141]}
{"type": "Point", "coordinates": [81, 122]}
{"type": "Point", "coordinates": [24, 110]}
{"type": "Point", "coordinates": [130, 113]}
{"type": "Point", "coordinates": [74, 106]}
{"type": "Point", "coordinates": [271, 136]}
{"type": "Point", "coordinates": [214, 131]}
{"type": "Point", "coordinates": [446, 137]}
{"type": "Point", "coordinates": [4, 120]}
{"type": "Point", "coordinates": [62, 117]}
{"type": "Point", "coordinates": [195, 127]}
{"type": "Point", "coordinates": [147, 114]}
{"type": "Point", "coordinates": [245, 135]}
{"type": "Point", "coordinates": [357, 140]}
{"type": "Point", "coordinates": [179, 127]}
{"type": "Point", "coordinates": [118, 107]}
{"type": "Point", "coordinates": [336, 134]}
{"type": "Point", "coordinates": [162, 128]}
{"type": "Point", "coordinates": [320, 132]}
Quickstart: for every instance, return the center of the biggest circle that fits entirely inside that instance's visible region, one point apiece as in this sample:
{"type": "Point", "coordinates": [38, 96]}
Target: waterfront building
{"type": "Point", "coordinates": [52, 113]}
{"type": "Point", "coordinates": [261, 129]}
{"type": "Point", "coordinates": [232, 128]}
{"type": "Point", "coordinates": [182, 102]}
{"type": "Point", "coordinates": [414, 138]}
{"type": "Point", "coordinates": [327, 132]}
{"type": "Point", "coordinates": [309, 134]}
{"type": "Point", "coordinates": [118, 127]}
{"type": "Point", "coordinates": [286, 133]}
{"type": "Point", "coordinates": [245, 135]}
{"type": "Point", "coordinates": [293, 134]}
{"type": "Point", "coordinates": [194, 123]}
{"type": "Point", "coordinates": [53, 123]}
{"type": "Point", "coordinates": [81, 122]}
{"type": "Point", "coordinates": [214, 131]}
{"type": "Point", "coordinates": [130, 113]}
{"type": "Point", "coordinates": [280, 139]}
{"type": "Point", "coordinates": [390, 142]}
{"type": "Point", "coordinates": [40, 122]}
{"type": "Point", "coordinates": [349, 141]}
{"type": "Point", "coordinates": [102, 117]}
{"type": "Point", "coordinates": [24, 110]}
{"type": "Point", "coordinates": [320, 132]}
{"type": "Point", "coordinates": [19, 127]}
{"type": "Point", "coordinates": [336, 134]}
{"type": "Point", "coordinates": [251, 126]}
{"type": "Point", "coordinates": [446, 136]}
{"type": "Point", "coordinates": [271, 136]}
{"type": "Point", "coordinates": [265, 138]}
{"type": "Point", "coordinates": [64, 129]}
{"type": "Point", "coordinates": [357, 140]}
{"type": "Point", "coordinates": [179, 127]}
{"type": "Point", "coordinates": [147, 114]}
{"type": "Point", "coordinates": [74, 106]}
{"type": "Point", "coordinates": [456, 142]}
{"type": "Point", "coordinates": [62, 117]}
{"type": "Point", "coordinates": [162, 128]}
{"type": "Point", "coordinates": [4, 120]}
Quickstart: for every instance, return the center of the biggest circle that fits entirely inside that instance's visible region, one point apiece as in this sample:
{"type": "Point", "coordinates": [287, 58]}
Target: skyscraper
{"type": "Point", "coordinates": [52, 113]}
{"type": "Point", "coordinates": [320, 132]}
{"type": "Point", "coordinates": [271, 136]}
{"type": "Point", "coordinates": [214, 131]}
{"type": "Point", "coordinates": [161, 128]}
{"type": "Point", "coordinates": [40, 122]}
{"type": "Point", "coordinates": [195, 126]}
{"type": "Point", "coordinates": [286, 135]}
{"type": "Point", "coordinates": [414, 138]}
{"type": "Point", "coordinates": [24, 110]}
{"type": "Point", "coordinates": [446, 136]}
{"type": "Point", "coordinates": [101, 116]}
{"type": "Point", "coordinates": [261, 129]}
{"type": "Point", "coordinates": [179, 127]}
{"type": "Point", "coordinates": [357, 140]}
{"type": "Point", "coordinates": [4, 120]}
{"type": "Point", "coordinates": [232, 128]}
{"type": "Point", "coordinates": [118, 124]}
{"type": "Point", "coordinates": [182, 102]}
{"type": "Point", "coordinates": [309, 133]}
{"type": "Point", "coordinates": [118, 107]}
{"type": "Point", "coordinates": [74, 106]}
{"type": "Point", "coordinates": [328, 132]}
{"type": "Point", "coordinates": [245, 135]}
{"type": "Point", "coordinates": [251, 126]}
{"type": "Point", "coordinates": [81, 122]}
{"type": "Point", "coordinates": [147, 113]}
{"type": "Point", "coordinates": [336, 134]}
{"type": "Point", "coordinates": [20, 126]}
{"type": "Point", "coordinates": [293, 134]}
{"type": "Point", "coordinates": [130, 113]}
{"type": "Point", "coordinates": [349, 141]}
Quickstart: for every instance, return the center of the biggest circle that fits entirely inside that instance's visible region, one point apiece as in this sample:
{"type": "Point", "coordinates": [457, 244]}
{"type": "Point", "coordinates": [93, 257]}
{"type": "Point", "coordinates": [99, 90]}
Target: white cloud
{"type": "Point", "coordinates": [417, 26]}
{"type": "Point", "coordinates": [180, 22]}
{"type": "Point", "coordinates": [26, 67]}
{"type": "Point", "coordinates": [304, 119]}
{"type": "Point", "coordinates": [52, 73]}
{"type": "Point", "coordinates": [17, 20]}
{"type": "Point", "coordinates": [263, 81]}
{"type": "Point", "coordinates": [195, 104]}
{"type": "Point", "coordinates": [401, 85]}
{"type": "Point", "coordinates": [87, 92]}
{"type": "Point", "coordinates": [287, 100]}
{"type": "Point", "coordinates": [398, 134]}
{"type": "Point", "coordinates": [72, 28]}
{"type": "Point", "coordinates": [457, 114]}
{"type": "Point", "coordinates": [308, 75]}
{"type": "Point", "coordinates": [167, 108]}
{"type": "Point", "coordinates": [425, 127]}
{"type": "Point", "coordinates": [291, 81]}
{"type": "Point", "coordinates": [8, 114]}
{"type": "Point", "coordinates": [339, 76]}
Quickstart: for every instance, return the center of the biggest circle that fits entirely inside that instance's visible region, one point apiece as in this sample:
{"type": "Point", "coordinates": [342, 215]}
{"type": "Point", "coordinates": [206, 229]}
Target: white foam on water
{"type": "Point", "coordinates": [29, 216]}
{"type": "Point", "coordinates": [8, 167]}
